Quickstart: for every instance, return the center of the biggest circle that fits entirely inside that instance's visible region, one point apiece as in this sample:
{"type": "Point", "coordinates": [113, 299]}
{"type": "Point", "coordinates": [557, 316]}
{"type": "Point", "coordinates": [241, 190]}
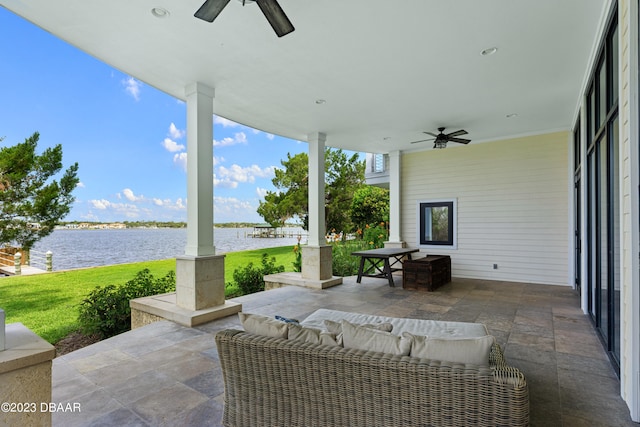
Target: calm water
{"type": "Point", "coordinates": [90, 248]}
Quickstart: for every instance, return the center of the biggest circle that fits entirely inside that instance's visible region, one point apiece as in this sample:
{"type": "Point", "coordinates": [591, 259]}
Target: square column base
{"type": "Point", "coordinates": [316, 262]}
{"type": "Point", "coordinates": [163, 307]}
{"type": "Point", "coordinates": [199, 281]}
{"type": "Point", "coordinates": [278, 280]}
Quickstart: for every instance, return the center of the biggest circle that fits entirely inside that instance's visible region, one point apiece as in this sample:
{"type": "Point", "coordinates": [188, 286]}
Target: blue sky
{"type": "Point", "coordinates": [127, 137]}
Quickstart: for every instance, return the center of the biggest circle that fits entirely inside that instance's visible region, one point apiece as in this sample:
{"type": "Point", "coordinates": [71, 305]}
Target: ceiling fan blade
{"type": "Point", "coordinates": [276, 17]}
{"type": "Point", "coordinates": [457, 133]}
{"type": "Point", "coordinates": [210, 9]}
{"type": "Point", "coordinates": [459, 140]}
{"type": "Point", "coordinates": [422, 140]}
{"type": "Point", "coordinates": [432, 134]}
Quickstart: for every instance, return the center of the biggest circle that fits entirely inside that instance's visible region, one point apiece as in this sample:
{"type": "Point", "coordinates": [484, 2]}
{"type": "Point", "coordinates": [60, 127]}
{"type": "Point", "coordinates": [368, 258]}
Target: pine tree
{"type": "Point", "coordinates": [31, 201]}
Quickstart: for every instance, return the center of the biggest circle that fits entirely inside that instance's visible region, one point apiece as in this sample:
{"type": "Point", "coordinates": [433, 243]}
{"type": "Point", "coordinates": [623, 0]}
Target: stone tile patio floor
{"type": "Point", "coordinates": [165, 374]}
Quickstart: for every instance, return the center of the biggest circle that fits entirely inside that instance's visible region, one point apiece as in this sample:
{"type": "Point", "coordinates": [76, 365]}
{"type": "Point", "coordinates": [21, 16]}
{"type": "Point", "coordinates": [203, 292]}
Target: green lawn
{"type": "Point", "coordinates": [48, 303]}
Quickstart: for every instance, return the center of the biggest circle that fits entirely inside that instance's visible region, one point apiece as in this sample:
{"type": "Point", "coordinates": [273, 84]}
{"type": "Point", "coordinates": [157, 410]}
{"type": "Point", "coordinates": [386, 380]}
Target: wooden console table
{"type": "Point", "coordinates": [429, 272]}
{"type": "Point", "coordinates": [376, 262]}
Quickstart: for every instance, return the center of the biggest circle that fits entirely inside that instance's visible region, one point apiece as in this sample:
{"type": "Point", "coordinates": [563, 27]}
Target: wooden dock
{"type": "Point", "coordinates": [26, 270]}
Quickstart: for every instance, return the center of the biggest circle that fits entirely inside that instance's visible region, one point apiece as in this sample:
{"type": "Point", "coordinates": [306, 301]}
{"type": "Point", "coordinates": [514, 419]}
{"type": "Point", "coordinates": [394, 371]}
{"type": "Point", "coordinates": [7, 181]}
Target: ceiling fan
{"type": "Point", "coordinates": [441, 139]}
{"type": "Point", "coordinates": [210, 10]}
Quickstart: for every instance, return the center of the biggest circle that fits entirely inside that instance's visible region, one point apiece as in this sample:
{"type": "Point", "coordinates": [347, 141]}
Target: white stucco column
{"type": "Point", "coordinates": [199, 170]}
{"type": "Point", "coordinates": [199, 272]}
{"type": "Point", "coordinates": [316, 256]}
{"type": "Point", "coordinates": [316, 189]}
{"type": "Point", "coordinates": [395, 210]}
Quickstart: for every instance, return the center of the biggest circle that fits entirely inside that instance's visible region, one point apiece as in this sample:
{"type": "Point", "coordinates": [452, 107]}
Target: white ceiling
{"type": "Point", "coordinates": [388, 70]}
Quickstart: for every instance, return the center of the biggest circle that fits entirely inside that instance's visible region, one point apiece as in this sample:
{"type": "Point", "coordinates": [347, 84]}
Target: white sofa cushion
{"type": "Point", "coordinates": [336, 328]}
{"type": "Point", "coordinates": [311, 335]}
{"type": "Point", "coordinates": [361, 338]}
{"type": "Point", "coordinates": [460, 350]}
{"type": "Point", "coordinates": [430, 328]}
{"type": "Point", "coordinates": [262, 325]}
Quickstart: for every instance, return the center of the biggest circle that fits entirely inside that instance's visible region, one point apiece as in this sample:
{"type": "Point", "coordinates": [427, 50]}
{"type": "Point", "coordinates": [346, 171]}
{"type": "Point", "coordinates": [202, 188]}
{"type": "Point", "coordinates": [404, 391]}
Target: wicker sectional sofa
{"type": "Point", "coordinates": [273, 381]}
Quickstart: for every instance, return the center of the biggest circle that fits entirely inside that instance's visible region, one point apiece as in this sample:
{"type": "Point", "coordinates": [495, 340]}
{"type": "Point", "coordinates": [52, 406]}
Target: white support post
{"type": "Point", "coordinates": [316, 256]}
{"type": "Point", "coordinates": [317, 230]}
{"type": "Point", "coordinates": [199, 170]}
{"type": "Point", "coordinates": [199, 273]}
{"type": "Point", "coordinates": [395, 209]}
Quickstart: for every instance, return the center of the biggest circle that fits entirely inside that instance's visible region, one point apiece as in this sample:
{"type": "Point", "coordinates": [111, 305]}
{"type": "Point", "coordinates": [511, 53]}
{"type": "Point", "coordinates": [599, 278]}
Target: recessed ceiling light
{"type": "Point", "coordinates": [489, 51]}
{"type": "Point", "coordinates": [160, 12]}
{"type": "Point", "coordinates": [386, 138]}
{"type": "Point", "coordinates": [512, 115]}
{"type": "Point", "coordinates": [321, 101]}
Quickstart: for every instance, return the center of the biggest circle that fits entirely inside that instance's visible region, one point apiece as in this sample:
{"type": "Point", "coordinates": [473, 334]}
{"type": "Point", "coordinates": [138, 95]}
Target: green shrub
{"type": "Point", "coordinates": [250, 279]}
{"type": "Point", "coordinates": [345, 264]}
{"type": "Point", "coordinates": [106, 311]}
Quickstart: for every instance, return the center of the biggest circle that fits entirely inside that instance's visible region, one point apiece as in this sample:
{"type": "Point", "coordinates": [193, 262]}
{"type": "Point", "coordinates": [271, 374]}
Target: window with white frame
{"type": "Point", "coordinates": [437, 223]}
{"type": "Point", "coordinates": [378, 162]}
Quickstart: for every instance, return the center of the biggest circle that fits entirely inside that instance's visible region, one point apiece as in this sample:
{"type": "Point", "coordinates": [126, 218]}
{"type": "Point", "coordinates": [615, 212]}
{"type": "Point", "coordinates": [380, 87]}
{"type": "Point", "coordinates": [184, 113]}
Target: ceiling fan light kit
{"type": "Point", "coordinates": [441, 139]}
{"type": "Point", "coordinates": [439, 145]}
{"type": "Point", "coordinates": [210, 10]}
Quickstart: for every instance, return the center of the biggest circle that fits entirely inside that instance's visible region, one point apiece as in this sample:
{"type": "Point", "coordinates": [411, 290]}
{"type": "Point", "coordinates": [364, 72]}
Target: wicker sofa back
{"type": "Point", "coordinates": [280, 382]}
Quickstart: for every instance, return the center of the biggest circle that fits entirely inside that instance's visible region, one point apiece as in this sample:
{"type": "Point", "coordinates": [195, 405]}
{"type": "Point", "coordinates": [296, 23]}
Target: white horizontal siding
{"type": "Point", "coordinates": [512, 199]}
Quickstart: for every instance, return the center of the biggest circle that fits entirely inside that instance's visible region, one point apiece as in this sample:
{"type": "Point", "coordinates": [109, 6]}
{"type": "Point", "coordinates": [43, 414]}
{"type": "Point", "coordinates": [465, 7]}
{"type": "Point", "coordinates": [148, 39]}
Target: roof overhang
{"type": "Point", "coordinates": [386, 70]}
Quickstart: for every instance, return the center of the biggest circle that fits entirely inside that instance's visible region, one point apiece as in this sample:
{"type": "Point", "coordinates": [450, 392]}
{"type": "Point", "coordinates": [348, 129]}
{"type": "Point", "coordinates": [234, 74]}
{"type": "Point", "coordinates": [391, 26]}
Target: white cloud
{"type": "Point", "coordinates": [238, 138]}
{"type": "Point", "coordinates": [237, 173]}
{"type": "Point", "coordinates": [223, 142]}
{"type": "Point", "coordinates": [180, 159]}
{"type": "Point", "coordinates": [227, 208]}
{"type": "Point", "coordinates": [261, 192]}
{"type": "Point", "coordinates": [80, 184]}
{"type": "Point", "coordinates": [149, 209]}
{"type": "Point", "coordinates": [169, 204]}
{"type": "Point", "coordinates": [224, 183]}
{"type": "Point", "coordinates": [172, 146]}
{"type": "Point", "coordinates": [121, 209]}
{"type": "Point", "coordinates": [132, 86]}
{"type": "Point", "coordinates": [100, 204]}
{"type": "Point", "coordinates": [217, 120]}
{"type": "Point", "coordinates": [128, 194]}
{"type": "Point", "coordinates": [270, 136]}
{"type": "Point", "coordinates": [176, 133]}
{"type": "Point", "coordinates": [90, 216]}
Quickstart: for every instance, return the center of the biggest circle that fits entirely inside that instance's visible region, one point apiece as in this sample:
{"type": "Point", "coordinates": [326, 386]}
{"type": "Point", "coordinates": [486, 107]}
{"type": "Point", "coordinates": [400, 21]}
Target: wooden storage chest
{"type": "Point", "coordinates": [429, 272]}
